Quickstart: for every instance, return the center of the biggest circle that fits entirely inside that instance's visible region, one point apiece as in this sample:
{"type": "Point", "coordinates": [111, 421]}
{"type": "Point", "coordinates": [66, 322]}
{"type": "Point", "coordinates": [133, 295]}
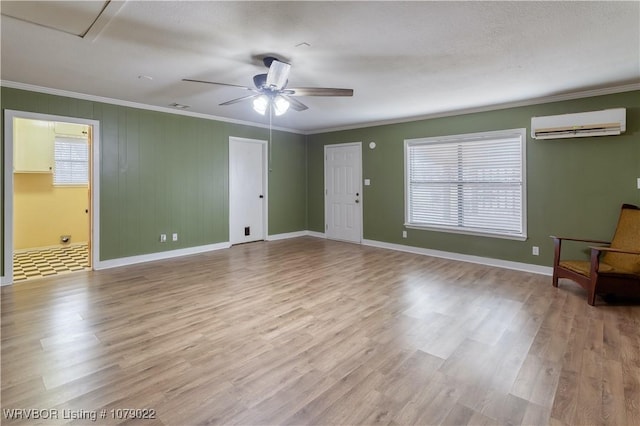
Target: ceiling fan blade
{"type": "Point", "coordinates": [319, 91]}
{"type": "Point", "coordinates": [278, 75]}
{"type": "Point", "coordinates": [295, 104]}
{"type": "Point", "coordinates": [244, 98]}
{"type": "Point", "coordinates": [219, 84]}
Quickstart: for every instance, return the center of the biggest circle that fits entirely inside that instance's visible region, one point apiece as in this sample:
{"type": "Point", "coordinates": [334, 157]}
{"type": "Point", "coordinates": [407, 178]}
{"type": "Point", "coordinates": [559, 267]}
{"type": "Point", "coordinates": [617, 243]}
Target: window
{"type": "Point", "coordinates": [71, 158]}
{"type": "Point", "coordinates": [473, 184]}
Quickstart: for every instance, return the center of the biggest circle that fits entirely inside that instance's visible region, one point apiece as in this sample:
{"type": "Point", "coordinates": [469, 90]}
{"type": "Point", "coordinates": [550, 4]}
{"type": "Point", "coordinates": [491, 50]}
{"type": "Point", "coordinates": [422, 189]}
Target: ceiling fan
{"type": "Point", "coordinates": [271, 89]}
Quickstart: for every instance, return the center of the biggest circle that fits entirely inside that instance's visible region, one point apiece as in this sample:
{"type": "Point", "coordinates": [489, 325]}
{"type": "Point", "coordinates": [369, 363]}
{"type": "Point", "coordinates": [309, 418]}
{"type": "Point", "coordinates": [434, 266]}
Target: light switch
{"type": "Point", "coordinates": [367, 182]}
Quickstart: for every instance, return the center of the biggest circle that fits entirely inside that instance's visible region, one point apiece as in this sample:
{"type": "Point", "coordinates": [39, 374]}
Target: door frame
{"type": "Point", "coordinates": [326, 190]}
{"type": "Point", "coordinates": [265, 182]}
{"type": "Point", "coordinates": [94, 185]}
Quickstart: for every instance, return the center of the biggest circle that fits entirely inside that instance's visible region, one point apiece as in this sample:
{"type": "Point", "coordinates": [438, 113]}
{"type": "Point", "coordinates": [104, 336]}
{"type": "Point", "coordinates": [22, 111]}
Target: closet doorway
{"type": "Point", "coordinates": [52, 193]}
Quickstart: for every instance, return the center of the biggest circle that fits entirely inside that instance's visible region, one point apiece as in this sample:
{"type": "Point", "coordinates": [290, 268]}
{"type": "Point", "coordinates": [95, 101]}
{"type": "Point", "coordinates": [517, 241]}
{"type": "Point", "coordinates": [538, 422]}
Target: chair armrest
{"type": "Point", "coordinates": [557, 244]}
{"type": "Point", "coordinates": [581, 240]}
{"type": "Point", "coordinates": [615, 250]}
{"type": "Point", "coordinates": [595, 256]}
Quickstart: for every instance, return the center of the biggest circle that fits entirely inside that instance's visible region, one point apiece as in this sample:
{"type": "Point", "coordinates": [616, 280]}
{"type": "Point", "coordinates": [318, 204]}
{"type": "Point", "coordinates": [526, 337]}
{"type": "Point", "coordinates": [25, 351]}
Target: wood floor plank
{"type": "Point", "coordinates": [565, 402]}
{"type": "Point", "coordinates": [544, 389]}
{"type": "Point", "coordinates": [536, 415]}
{"type": "Point", "coordinates": [631, 381]}
{"type": "Point", "coordinates": [322, 403]}
{"type": "Point", "coordinates": [507, 409]}
{"type": "Point", "coordinates": [613, 401]}
{"type": "Point", "coordinates": [312, 331]}
{"type": "Point", "coordinates": [509, 354]}
{"type": "Point", "coordinates": [459, 415]}
{"type": "Point", "coordinates": [589, 402]}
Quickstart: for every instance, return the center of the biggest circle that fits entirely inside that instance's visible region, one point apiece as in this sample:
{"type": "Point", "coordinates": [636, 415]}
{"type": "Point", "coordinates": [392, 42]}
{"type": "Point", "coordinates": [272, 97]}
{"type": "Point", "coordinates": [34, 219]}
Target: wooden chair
{"type": "Point", "coordinates": [612, 270]}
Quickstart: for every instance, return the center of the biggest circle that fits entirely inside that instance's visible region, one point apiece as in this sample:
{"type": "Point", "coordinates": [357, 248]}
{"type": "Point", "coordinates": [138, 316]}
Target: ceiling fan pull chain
{"type": "Point", "coordinates": [270, 134]}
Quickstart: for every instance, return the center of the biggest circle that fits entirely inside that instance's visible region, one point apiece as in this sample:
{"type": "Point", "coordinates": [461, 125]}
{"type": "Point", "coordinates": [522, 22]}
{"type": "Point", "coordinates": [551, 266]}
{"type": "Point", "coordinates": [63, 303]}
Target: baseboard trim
{"type": "Point", "coordinates": [132, 260]}
{"type": "Point", "coordinates": [316, 234]}
{"type": "Point", "coordinates": [507, 264]}
{"type": "Point", "coordinates": [295, 235]}
{"type": "Point", "coordinates": [287, 235]}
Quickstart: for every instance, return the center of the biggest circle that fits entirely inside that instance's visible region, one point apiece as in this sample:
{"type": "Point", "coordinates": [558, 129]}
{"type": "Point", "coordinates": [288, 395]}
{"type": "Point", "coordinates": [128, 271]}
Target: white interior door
{"type": "Point", "coordinates": [247, 190]}
{"type": "Point", "coordinates": [343, 199]}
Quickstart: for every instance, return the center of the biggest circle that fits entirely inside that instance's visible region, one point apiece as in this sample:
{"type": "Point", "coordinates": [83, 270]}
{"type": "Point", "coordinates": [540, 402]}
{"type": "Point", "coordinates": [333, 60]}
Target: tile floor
{"type": "Point", "coordinates": [38, 263]}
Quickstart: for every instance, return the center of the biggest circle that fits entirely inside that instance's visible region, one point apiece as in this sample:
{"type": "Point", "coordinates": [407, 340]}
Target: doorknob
{"type": "Point", "coordinates": [261, 196]}
{"type": "Point", "coordinates": [357, 201]}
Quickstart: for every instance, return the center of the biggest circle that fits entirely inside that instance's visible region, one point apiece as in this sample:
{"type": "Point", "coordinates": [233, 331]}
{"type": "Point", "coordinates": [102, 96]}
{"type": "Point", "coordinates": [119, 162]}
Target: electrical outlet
{"type": "Point", "coordinates": [535, 250]}
{"type": "Point", "coordinates": [163, 238]}
{"type": "Point", "coordinates": [174, 237]}
{"type": "Point", "coordinates": [404, 234]}
{"type": "Point", "coordinates": [638, 183]}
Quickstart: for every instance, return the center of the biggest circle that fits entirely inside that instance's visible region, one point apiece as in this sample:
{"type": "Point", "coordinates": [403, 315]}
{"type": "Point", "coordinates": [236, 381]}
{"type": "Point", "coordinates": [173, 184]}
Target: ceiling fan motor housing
{"type": "Point", "coordinates": [267, 60]}
{"type": "Point", "coordinates": [259, 80]}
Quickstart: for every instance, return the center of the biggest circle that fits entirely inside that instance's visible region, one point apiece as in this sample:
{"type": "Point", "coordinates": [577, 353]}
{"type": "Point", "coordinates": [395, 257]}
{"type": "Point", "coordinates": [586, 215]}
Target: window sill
{"type": "Point", "coordinates": [466, 232]}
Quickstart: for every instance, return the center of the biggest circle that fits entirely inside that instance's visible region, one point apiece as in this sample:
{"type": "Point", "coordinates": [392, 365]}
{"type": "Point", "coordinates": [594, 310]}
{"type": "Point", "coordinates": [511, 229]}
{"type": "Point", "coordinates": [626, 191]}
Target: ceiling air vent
{"type": "Point", "coordinates": [179, 106]}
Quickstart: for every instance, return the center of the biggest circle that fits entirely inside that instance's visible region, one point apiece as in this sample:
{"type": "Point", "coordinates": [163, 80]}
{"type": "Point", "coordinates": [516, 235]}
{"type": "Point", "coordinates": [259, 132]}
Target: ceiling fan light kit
{"type": "Point", "coordinates": [271, 90]}
{"type": "Point", "coordinates": [260, 104]}
{"type": "Point", "coordinates": [263, 102]}
{"type": "Point", "coordinates": [281, 105]}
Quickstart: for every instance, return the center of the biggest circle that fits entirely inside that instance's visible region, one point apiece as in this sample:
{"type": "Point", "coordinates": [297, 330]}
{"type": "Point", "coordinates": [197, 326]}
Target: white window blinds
{"type": "Point", "coordinates": [71, 158]}
{"type": "Point", "coordinates": [467, 183]}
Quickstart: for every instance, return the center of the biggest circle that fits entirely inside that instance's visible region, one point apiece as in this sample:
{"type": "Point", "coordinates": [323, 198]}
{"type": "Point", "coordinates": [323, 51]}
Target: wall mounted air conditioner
{"type": "Point", "coordinates": [583, 124]}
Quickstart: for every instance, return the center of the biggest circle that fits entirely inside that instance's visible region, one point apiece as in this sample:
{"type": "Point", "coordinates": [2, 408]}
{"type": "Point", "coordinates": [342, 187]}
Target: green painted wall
{"type": "Point", "coordinates": [288, 184]}
{"type": "Point", "coordinates": [165, 173]}
{"type": "Point", "coordinates": [574, 186]}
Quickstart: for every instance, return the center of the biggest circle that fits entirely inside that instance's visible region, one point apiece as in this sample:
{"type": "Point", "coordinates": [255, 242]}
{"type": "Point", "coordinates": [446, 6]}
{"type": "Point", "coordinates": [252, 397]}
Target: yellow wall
{"type": "Point", "coordinates": [43, 212]}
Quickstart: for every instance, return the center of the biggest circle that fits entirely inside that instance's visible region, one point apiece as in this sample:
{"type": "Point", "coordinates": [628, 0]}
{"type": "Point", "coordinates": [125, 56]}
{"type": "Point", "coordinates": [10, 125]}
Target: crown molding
{"type": "Point", "coordinates": [112, 101]}
{"type": "Point", "coordinates": [495, 107]}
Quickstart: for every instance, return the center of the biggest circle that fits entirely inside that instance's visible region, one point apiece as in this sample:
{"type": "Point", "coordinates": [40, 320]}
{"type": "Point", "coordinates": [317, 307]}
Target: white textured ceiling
{"type": "Point", "coordinates": [403, 59]}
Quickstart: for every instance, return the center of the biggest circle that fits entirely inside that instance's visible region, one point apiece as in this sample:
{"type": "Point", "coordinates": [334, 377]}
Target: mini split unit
{"type": "Point", "coordinates": [607, 122]}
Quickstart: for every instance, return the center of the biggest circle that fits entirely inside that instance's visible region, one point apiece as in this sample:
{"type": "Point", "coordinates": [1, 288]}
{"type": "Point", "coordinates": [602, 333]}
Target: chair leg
{"type": "Point", "coordinates": [557, 242]}
{"type": "Point", "coordinates": [593, 276]}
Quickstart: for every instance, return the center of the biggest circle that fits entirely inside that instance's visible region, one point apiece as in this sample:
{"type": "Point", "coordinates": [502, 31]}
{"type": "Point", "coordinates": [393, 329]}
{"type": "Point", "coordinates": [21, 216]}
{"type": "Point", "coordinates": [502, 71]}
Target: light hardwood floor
{"type": "Point", "coordinates": [309, 331]}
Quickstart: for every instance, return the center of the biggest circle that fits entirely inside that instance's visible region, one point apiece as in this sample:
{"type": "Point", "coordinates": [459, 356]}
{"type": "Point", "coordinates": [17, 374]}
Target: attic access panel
{"type": "Point", "coordinates": [71, 17]}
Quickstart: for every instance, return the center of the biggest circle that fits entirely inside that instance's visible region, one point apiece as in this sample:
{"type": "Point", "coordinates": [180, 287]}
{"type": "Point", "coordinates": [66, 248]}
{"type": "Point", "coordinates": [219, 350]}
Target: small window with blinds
{"type": "Point", "coordinates": [472, 184]}
{"type": "Point", "coordinates": [71, 161]}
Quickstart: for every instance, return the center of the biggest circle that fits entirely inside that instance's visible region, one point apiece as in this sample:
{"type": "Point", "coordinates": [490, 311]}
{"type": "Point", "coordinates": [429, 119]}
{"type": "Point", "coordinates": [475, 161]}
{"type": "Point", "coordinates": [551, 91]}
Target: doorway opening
{"type": "Point", "coordinates": [50, 195]}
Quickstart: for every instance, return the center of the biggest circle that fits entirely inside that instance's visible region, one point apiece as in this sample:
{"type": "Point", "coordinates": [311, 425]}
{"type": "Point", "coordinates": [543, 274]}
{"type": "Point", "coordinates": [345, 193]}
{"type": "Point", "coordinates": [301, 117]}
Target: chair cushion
{"type": "Point", "coordinates": [583, 267]}
{"type": "Point", "coordinates": [627, 237]}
